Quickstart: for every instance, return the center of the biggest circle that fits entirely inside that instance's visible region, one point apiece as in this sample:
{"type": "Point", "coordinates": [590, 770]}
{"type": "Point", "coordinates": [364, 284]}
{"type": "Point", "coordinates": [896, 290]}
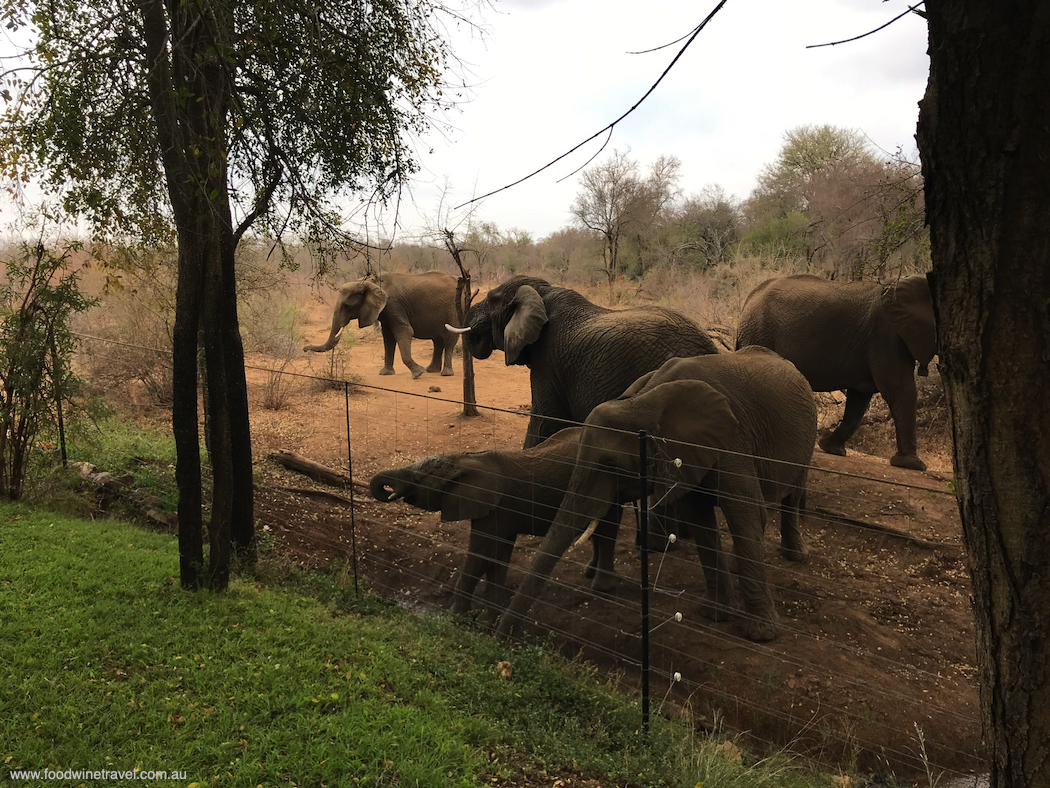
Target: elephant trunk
{"type": "Point", "coordinates": [337, 329]}
{"type": "Point", "coordinates": [408, 484]}
{"type": "Point", "coordinates": [384, 486]}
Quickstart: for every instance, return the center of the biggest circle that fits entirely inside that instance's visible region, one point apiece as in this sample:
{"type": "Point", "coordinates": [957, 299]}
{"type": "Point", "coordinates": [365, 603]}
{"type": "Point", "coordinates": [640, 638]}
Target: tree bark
{"type": "Point", "coordinates": [983, 136]}
{"type": "Point", "coordinates": [184, 52]}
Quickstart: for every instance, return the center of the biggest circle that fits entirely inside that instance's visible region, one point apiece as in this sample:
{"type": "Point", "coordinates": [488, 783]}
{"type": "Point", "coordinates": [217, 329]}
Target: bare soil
{"type": "Point", "coordinates": [874, 667]}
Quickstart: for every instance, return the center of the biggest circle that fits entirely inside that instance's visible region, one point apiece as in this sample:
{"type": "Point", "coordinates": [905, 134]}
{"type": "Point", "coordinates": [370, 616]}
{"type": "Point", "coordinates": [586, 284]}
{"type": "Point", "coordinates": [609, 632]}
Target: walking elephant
{"type": "Point", "coordinates": [579, 354]}
{"type": "Point", "coordinates": [861, 337]}
{"type": "Point", "coordinates": [406, 306]}
{"type": "Point", "coordinates": [504, 494]}
{"type": "Point", "coordinates": [734, 430]}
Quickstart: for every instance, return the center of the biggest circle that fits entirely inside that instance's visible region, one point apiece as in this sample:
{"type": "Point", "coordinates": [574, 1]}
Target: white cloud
{"type": "Point", "coordinates": [553, 73]}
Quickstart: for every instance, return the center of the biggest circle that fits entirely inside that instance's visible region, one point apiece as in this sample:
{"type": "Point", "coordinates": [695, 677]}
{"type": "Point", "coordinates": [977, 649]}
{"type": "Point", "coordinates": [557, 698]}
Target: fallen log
{"type": "Point", "coordinates": [314, 470]}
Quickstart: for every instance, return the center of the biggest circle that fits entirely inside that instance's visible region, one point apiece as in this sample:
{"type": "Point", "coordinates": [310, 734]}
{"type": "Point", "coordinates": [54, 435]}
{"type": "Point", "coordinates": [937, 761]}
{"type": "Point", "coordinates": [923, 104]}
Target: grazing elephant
{"type": "Point", "coordinates": [734, 430]}
{"type": "Point", "coordinates": [407, 306]}
{"type": "Point", "coordinates": [578, 353]}
{"type": "Point", "coordinates": [503, 494]}
{"type": "Point", "coordinates": [862, 337]}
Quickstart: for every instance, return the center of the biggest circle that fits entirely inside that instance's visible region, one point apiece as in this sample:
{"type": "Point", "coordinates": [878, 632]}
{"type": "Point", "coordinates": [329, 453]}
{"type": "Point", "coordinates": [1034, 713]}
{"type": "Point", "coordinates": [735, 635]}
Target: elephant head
{"type": "Point", "coordinates": [509, 319]}
{"type": "Point", "coordinates": [460, 491]}
{"type": "Point", "coordinates": [363, 299]}
{"type": "Point", "coordinates": [909, 307]}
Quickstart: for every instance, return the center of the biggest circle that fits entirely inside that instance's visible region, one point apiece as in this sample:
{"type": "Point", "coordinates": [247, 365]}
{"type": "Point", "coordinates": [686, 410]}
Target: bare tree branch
{"type": "Point", "coordinates": [612, 125]}
{"type": "Point", "coordinates": [909, 10]}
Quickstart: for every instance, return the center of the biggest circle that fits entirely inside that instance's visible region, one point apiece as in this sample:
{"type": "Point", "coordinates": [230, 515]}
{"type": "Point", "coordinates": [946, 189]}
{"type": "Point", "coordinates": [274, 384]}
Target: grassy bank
{"type": "Point", "coordinates": [106, 664]}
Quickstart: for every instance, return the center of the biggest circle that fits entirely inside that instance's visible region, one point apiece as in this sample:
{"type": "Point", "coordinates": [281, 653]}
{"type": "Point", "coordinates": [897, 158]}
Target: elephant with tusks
{"type": "Point", "coordinates": [579, 354]}
{"type": "Point", "coordinates": [406, 306]}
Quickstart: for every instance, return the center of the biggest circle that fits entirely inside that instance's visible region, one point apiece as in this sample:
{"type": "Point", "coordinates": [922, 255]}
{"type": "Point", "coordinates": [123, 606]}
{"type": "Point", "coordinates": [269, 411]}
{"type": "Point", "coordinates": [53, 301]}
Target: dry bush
{"type": "Point", "coordinates": [128, 338]}
{"type": "Point", "coordinates": [335, 369]}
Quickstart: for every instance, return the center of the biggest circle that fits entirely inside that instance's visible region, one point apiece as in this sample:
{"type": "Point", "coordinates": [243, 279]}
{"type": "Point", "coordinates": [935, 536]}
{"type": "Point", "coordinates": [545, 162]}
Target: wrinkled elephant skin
{"type": "Point", "coordinates": [579, 354]}
{"type": "Point", "coordinates": [734, 430]}
{"type": "Point", "coordinates": [860, 337]}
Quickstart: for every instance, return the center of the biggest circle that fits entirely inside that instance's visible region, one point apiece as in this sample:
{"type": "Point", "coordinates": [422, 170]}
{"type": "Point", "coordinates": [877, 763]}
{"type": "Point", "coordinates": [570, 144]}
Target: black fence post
{"type": "Point", "coordinates": [643, 533]}
{"type": "Point", "coordinates": [350, 473]}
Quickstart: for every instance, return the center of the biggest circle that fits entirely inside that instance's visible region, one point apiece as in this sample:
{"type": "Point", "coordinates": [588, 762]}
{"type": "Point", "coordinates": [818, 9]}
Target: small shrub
{"type": "Point", "coordinates": [38, 297]}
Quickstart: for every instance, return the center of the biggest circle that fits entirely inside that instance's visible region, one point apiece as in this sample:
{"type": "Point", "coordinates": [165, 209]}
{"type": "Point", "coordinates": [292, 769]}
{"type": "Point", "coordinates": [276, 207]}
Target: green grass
{"type": "Point", "coordinates": [116, 445]}
{"type": "Point", "coordinates": [105, 663]}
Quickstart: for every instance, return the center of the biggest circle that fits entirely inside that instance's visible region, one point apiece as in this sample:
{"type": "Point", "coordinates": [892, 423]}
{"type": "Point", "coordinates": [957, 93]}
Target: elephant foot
{"type": "Point", "coordinates": [793, 552]}
{"type": "Point", "coordinates": [433, 368]}
{"type": "Point", "coordinates": [447, 373]}
{"type": "Point", "coordinates": [829, 446]}
{"type": "Point", "coordinates": [763, 628]}
{"type": "Point", "coordinates": [910, 461]}
{"type": "Point", "coordinates": [386, 371]}
{"type": "Point", "coordinates": [603, 582]}
{"type": "Point", "coordinates": [417, 372]}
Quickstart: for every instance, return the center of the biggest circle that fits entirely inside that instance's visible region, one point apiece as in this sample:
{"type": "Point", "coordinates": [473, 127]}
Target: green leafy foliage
{"type": "Point", "coordinates": [38, 296]}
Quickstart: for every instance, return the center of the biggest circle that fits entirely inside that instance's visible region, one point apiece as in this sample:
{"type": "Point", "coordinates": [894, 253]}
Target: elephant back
{"type": "Point", "coordinates": [602, 352]}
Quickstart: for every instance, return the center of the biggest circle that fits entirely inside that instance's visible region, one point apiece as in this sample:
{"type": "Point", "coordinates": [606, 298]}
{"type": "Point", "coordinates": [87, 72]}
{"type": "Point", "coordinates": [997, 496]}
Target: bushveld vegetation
{"type": "Point", "coordinates": [700, 254]}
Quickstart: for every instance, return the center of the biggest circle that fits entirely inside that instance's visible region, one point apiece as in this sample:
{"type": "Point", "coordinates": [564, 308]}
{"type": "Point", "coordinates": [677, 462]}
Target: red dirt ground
{"type": "Point", "coordinates": [875, 664]}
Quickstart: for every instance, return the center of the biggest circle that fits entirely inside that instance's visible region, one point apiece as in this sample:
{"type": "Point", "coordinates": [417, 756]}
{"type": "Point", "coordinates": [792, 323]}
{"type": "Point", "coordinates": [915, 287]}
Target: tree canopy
{"type": "Point", "coordinates": [210, 118]}
{"type": "Point", "coordinates": [316, 103]}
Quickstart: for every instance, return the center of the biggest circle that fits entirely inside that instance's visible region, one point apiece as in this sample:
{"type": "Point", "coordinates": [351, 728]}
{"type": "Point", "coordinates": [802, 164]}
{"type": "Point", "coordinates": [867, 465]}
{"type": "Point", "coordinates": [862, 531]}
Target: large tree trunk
{"type": "Point", "coordinates": [984, 136]}
{"type": "Point", "coordinates": [184, 53]}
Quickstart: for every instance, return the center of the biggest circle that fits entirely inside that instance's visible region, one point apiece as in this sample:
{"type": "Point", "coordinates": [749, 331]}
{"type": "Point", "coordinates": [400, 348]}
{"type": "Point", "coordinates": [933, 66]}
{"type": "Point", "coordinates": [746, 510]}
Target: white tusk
{"type": "Point", "coordinates": [455, 330]}
{"type": "Point", "coordinates": [586, 534]}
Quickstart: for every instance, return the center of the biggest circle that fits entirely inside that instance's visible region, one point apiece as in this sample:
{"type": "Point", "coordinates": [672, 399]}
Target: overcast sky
{"type": "Point", "coordinates": [550, 73]}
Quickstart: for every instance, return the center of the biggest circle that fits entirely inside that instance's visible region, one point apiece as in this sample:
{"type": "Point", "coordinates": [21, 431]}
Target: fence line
{"type": "Point", "coordinates": [668, 564]}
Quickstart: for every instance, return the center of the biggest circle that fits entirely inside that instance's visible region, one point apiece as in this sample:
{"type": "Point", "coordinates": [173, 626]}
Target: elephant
{"type": "Point", "coordinates": [861, 337]}
{"type": "Point", "coordinates": [579, 354]}
{"type": "Point", "coordinates": [504, 494]}
{"type": "Point", "coordinates": [734, 430]}
{"type": "Point", "coordinates": [406, 306]}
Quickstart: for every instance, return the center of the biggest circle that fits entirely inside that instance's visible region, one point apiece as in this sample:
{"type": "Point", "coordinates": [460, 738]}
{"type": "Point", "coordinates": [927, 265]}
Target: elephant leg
{"type": "Point", "coordinates": [698, 515]}
{"type": "Point", "coordinates": [403, 338]}
{"type": "Point", "coordinates": [550, 551]}
{"type": "Point", "coordinates": [601, 568]}
{"type": "Point", "coordinates": [791, 545]}
{"type": "Point", "coordinates": [902, 399]}
{"type": "Point", "coordinates": [450, 347]}
{"type": "Point", "coordinates": [497, 595]}
{"type": "Point", "coordinates": [389, 345]}
{"type": "Point", "coordinates": [435, 359]}
{"type": "Point", "coordinates": [488, 556]}
{"type": "Point", "coordinates": [746, 515]}
{"type": "Point", "coordinates": [856, 406]}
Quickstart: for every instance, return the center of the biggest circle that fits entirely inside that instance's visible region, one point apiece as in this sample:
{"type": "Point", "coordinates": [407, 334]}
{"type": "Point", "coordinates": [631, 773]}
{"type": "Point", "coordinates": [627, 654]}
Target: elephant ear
{"type": "Point", "coordinates": [909, 308]}
{"type": "Point", "coordinates": [469, 493]}
{"type": "Point", "coordinates": [694, 423]}
{"type": "Point", "coordinates": [528, 317]}
{"type": "Point", "coordinates": [374, 300]}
